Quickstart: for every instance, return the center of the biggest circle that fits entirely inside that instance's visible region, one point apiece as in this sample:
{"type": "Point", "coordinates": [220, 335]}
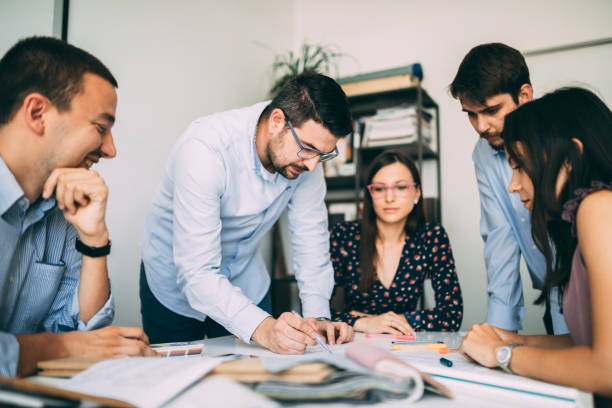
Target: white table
{"type": "Point", "coordinates": [217, 391]}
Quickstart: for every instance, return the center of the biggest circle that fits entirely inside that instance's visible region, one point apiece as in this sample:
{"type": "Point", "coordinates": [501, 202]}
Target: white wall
{"type": "Point", "coordinates": [20, 19]}
{"type": "Point", "coordinates": [390, 33]}
{"type": "Point", "coordinates": [175, 61]}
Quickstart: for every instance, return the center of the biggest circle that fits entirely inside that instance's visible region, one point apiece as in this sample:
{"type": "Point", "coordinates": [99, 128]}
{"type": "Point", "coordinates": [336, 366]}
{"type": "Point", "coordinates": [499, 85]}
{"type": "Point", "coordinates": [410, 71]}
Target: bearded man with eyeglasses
{"type": "Point", "coordinates": [227, 181]}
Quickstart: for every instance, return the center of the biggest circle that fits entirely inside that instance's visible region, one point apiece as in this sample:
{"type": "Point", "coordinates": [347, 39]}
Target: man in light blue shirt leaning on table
{"type": "Point", "coordinates": [492, 81]}
{"type": "Point", "coordinates": [227, 181]}
{"type": "Point", "coordinates": [57, 107]}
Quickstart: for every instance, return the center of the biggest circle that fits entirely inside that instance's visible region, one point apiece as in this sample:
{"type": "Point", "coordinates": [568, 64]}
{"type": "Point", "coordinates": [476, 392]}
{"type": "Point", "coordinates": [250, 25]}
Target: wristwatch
{"type": "Point", "coordinates": [504, 354]}
{"type": "Point", "coordinates": [93, 252]}
{"type": "Point", "coordinates": [322, 319]}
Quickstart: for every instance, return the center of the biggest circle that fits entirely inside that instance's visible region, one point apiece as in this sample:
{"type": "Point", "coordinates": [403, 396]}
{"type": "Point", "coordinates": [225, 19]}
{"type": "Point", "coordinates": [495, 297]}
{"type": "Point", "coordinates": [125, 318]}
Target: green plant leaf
{"type": "Point", "coordinates": [309, 57]}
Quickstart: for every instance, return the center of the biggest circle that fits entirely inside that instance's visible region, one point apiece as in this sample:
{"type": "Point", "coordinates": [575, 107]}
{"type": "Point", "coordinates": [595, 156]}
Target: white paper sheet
{"type": "Point", "coordinates": [217, 391]}
{"type": "Point", "coordinates": [223, 346]}
{"type": "Point", "coordinates": [472, 377]}
{"type": "Point", "coordinates": [142, 381]}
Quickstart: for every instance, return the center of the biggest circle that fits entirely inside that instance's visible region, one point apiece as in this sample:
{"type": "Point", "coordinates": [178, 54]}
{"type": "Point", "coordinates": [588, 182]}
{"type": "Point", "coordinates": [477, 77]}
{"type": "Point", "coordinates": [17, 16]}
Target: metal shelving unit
{"type": "Point", "coordinates": [367, 105]}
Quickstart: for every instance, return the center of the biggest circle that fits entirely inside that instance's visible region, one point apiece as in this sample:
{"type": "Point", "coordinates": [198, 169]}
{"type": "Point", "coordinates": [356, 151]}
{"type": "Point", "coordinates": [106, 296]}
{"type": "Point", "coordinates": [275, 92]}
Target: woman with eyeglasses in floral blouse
{"type": "Point", "coordinates": [382, 261]}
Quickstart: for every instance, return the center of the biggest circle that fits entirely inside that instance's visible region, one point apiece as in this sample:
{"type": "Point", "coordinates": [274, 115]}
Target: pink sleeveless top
{"type": "Point", "coordinates": [577, 294]}
{"type": "Point", "coordinates": [577, 303]}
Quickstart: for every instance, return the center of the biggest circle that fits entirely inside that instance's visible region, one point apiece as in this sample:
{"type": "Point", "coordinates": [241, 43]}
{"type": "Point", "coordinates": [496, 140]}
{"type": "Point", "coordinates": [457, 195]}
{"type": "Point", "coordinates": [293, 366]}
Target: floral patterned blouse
{"type": "Point", "coordinates": [426, 254]}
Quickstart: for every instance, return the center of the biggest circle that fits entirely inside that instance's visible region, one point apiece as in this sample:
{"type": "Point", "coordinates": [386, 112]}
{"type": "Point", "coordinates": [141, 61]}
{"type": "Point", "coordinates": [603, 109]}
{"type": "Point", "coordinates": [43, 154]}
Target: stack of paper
{"type": "Point", "coordinates": [396, 126]}
{"type": "Point", "coordinates": [343, 385]}
{"type": "Point", "coordinates": [354, 382]}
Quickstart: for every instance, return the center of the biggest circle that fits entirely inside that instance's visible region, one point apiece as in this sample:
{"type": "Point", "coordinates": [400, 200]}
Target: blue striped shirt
{"type": "Point", "coordinates": [39, 271]}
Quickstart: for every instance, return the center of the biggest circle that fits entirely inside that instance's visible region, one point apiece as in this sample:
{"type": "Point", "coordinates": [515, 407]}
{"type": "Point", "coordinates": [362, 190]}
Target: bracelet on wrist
{"type": "Point", "coordinates": [92, 252]}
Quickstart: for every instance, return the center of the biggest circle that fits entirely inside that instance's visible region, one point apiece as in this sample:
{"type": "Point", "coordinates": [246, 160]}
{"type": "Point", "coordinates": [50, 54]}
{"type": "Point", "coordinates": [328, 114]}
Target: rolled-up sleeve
{"type": "Point", "coordinates": [9, 354]}
{"type": "Point", "coordinates": [502, 259]}
{"type": "Point", "coordinates": [102, 318]}
{"type": "Point", "coordinates": [199, 182]}
{"type": "Point", "coordinates": [310, 243]}
{"type": "Point", "coordinates": [64, 313]}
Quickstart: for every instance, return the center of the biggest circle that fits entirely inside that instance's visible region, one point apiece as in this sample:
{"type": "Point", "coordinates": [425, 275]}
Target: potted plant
{"type": "Point", "coordinates": [310, 57]}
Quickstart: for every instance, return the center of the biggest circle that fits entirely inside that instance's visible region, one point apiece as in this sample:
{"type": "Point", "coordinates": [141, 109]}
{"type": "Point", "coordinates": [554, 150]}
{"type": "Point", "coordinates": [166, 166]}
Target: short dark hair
{"type": "Point", "coordinates": [311, 95]}
{"type": "Point", "coordinates": [46, 65]}
{"type": "Point", "coordinates": [369, 229]}
{"type": "Point", "coordinates": [488, 70]}
{"type": "Point", "coordinates": [545, 128]}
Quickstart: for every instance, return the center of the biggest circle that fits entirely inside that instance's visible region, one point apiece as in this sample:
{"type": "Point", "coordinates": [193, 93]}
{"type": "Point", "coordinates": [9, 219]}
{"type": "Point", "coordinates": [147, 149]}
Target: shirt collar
{"type": "Point", "coordinates": [500, 153]}
{"type": "Point", "coordinates": [12, 192]}
{"type": "Point", "coordinates": [258, 166]}
{"type": "Point", "coordinates": [494, 152]}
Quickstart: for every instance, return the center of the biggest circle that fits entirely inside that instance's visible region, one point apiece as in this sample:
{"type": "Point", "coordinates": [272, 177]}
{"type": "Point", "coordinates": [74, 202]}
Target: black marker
{"type": "Point", "coordinates": [446, 362]}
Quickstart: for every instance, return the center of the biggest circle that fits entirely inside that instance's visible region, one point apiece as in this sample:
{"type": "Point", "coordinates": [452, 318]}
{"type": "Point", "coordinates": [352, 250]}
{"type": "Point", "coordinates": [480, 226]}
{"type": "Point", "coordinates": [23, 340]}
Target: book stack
{"type": "Point", "coordinates": [381, 81]}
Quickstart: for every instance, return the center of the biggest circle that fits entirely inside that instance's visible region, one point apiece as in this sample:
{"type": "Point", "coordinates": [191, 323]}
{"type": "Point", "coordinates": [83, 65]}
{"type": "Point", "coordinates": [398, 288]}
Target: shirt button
{"type": "Point", "coordinates": [22, 202]}
{"type": "Point", "coordinates": [11, 279]}
{"type": "Point", "coordinates": [534, 247]}
{"type": "Point", "coordinates": [523, 219]}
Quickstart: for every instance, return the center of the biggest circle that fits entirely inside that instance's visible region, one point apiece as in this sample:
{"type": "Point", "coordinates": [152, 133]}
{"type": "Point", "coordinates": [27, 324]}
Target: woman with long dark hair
{"type": "Point", "coordinates": [560, 149]}
{"type": "Point", "coordinates": [383, 261]}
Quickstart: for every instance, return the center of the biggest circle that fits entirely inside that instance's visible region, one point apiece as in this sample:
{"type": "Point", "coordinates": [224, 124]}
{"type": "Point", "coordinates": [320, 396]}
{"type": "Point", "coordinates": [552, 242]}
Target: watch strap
{"type": "Point", "coordinates": [505, 365]}
{"type": "Point", "coordinates": [92, 252]}
{"type": "Point", "coordinates": [322, 319]}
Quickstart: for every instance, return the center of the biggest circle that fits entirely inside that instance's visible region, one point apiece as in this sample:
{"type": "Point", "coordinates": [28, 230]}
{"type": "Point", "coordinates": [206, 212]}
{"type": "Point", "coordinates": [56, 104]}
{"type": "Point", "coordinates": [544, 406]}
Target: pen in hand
{"type": "Point", "coordinates": [318, 338]}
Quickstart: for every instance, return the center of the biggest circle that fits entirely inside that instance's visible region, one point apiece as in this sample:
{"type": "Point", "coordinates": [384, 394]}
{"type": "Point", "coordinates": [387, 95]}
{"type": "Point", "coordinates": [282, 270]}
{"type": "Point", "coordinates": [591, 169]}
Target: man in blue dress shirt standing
{"type": "Point", "coordinates": [57, 107]}
{"type": "Point", "coordinates": [227, 181]}
{"type": "Point", "coordinates": [492, 81]}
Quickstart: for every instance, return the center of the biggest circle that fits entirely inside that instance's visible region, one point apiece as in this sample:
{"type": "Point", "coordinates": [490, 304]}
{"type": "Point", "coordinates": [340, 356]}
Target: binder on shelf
{"type": "Point", "coordinates": [381, 81]}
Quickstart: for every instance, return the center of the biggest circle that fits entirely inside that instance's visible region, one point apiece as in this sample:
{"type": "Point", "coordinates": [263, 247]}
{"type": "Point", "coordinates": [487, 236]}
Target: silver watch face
{"type": "Point", "coordinates": [503, 355]}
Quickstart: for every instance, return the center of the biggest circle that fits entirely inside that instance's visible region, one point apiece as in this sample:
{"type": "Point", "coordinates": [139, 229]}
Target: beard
{"type": "Point", "coordinates": [274, 160]}
{"type": "Point", "coordinates": [500, 146]}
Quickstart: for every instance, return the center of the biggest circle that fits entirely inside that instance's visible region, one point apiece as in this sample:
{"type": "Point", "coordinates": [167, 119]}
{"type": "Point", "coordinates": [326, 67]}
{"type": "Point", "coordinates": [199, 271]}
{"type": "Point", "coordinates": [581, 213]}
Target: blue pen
{"type": "Point", "coordinates": [318, 338]}
{"type": "Point", "coordinates": [446, 362]}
